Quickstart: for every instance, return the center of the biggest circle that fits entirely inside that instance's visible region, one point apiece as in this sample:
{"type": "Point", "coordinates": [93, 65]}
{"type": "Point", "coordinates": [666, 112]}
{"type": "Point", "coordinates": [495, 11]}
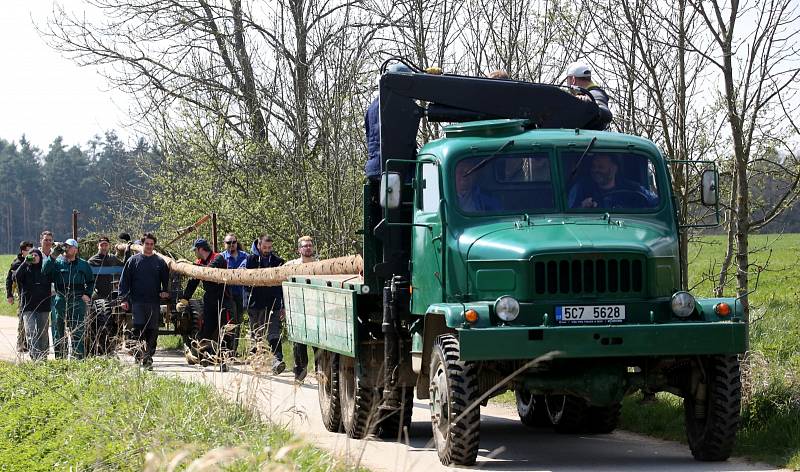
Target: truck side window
{"type": "Point", "coordinates": [430, 188]}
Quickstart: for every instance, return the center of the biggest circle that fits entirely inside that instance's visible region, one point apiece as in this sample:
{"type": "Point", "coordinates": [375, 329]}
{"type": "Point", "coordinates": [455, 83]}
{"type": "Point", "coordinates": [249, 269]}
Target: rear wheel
{"type": "Point", "coordinates": [567, 413]}
{"type": "Point", "coordinates": [393, 422]}
{"type": "Point", "coordinates": [602, 419]}
{"type": "Point", "coordinates": [359, 403]}
{"type": "Point", "coordinates": [455, 411]}
{"type": "Point", "coordinates": [327, 366]}
{"type": "Point", "coordinates": [712, 411]}
{"type": "Point", "coordinates": [531, 409]}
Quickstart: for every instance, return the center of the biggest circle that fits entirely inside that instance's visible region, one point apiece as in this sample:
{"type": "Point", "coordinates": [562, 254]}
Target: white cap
{"type": "Point", "coordinates": [578, 69]}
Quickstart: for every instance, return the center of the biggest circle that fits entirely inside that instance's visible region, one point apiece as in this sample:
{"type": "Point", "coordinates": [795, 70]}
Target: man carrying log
{"type": "Point", "coordinates": [217, 301]}
{"type": "Point", "coordinates": [305, 248]}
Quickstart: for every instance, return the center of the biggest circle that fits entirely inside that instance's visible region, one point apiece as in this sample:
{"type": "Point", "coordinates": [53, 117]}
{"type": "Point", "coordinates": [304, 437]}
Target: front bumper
{"type": "Point", "coordinates": [673, 339]}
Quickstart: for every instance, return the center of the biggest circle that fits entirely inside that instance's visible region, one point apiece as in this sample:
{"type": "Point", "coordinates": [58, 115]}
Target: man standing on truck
{"type": "Point", "coordinates": [605, 188]}
{"type": "Point", "coordinates": [234, 257]}
{"type": "Point", "coordinates": [142, 286]}
{"type": "Point", "coordinates": [103, 281]}
{"type": "Point", "coordinates": [265, 304]}
{"type": "Point", "coordinates": [372, 127]}
{"type": "Point", "coordinates": [74, 282]}
{"type": "Point", "coordinates": [305, 248]}
{"type": "Point", "coordinates": [580, 75]}
{"type": "Point", "coordinates": [216, 300]}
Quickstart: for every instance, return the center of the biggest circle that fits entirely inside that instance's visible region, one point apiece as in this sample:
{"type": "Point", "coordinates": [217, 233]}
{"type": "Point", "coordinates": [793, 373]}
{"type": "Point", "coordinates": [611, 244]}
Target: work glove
{"type": "Point", "coordinates": [434, 70]}
{"type": "Point", "coordinates": [182, 304]}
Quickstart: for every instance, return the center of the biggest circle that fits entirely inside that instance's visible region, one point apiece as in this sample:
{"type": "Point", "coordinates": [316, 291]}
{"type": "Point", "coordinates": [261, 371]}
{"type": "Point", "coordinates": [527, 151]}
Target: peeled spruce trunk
{"type": "Point", "coordinates": [267, 277]}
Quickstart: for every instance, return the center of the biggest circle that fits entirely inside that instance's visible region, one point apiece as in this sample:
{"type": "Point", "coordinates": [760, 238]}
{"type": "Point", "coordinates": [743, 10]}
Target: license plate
{"type": "Point", "coordinates": [590, 314]}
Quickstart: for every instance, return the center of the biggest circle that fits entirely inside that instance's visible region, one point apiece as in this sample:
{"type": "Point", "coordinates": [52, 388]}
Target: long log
{"type": "Point", "coordinates": [268, 277]}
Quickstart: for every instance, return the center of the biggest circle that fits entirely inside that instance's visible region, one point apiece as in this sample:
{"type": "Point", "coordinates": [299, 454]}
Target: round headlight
{"type": "Point", "coordinates": [682, 304]}
{"type": "Point", "coordinates": [507, 308]}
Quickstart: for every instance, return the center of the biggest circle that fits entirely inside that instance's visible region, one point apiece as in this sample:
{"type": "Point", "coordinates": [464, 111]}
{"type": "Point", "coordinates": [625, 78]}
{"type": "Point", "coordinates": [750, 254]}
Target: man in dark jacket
{"type": "Point", "coordinates": [34, 303]}
{"type": "Point", "coordinates": [579, 75]}
{"type": "Point", "coordinates": [104, 280]}
{"type": "Point", "coordinates": [265, 304]}
{"type": "Point", "coordinates": [142, 286]}
{"type": "Point", "coordinates": [74, 282]}
{"type": "Point", "coordinates": [24, 248]}
{"type": "Point", "coordinates": [216, 299]}
{"type": "Point", "coordinates": [372, 128]}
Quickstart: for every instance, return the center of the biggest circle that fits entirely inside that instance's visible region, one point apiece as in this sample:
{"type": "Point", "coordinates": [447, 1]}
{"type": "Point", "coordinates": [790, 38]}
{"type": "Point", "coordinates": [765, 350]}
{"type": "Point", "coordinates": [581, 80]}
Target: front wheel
{"type": "Point", "coordinates": [712, 410]}
{"type": "Point", "coordinates": [455, 411]}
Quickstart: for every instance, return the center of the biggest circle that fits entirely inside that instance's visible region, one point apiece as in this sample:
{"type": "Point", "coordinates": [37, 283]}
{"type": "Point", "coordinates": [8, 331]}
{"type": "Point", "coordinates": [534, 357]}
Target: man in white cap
{"type": "Point", "coordinates": [74, 282]}
{"type": "Point", "coordinates": [580, 75]}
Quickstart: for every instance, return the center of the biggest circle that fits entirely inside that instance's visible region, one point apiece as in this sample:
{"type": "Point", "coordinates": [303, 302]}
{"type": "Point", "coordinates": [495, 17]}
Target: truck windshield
{"type": "Point", "coordinates": [510, 183]}
{"type": "Point", "coordinates": [523, 182]}
{"type": "Point", "coordinates": [610, 181]}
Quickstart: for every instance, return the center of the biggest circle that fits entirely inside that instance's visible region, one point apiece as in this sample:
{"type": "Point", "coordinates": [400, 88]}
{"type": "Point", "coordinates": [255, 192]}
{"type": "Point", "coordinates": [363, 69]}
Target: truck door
{"type": "Point", "coordinates": [427, 240]}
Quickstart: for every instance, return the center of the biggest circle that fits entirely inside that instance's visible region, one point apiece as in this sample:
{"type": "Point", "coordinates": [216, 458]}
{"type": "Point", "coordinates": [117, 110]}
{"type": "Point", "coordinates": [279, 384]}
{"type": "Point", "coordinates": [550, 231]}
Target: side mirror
{"type": "Point", "coordinates": [390, 190]}
{"type": "Point", "coordinates": [708, 188]}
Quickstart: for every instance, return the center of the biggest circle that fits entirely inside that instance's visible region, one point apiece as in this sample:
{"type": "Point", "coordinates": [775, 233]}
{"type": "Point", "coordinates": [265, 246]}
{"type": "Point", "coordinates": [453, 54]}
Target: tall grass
{"type": "Point", "coordinates": [100, 414]}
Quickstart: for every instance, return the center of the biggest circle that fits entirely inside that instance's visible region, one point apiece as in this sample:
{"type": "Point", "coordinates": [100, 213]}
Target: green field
{"type": "Point", "coordinates": [5, 308]}
{"type": "Point", "coordinates": [103, 415]}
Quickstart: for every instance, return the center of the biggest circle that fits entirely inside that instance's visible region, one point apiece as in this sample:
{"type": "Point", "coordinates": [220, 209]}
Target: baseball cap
{"type": "Point", "coordinates": [71, 242]}
{"type": "Point", "coordinates": [201, 243]}
{"type": "Point", "coordinates": [103, 238]}
{"type": "Point", "coordinates": [578, 69]}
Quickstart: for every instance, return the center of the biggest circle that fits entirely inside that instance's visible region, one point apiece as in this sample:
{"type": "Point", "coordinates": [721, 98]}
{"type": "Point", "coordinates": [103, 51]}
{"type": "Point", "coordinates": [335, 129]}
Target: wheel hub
{"type": "Point", "coordinates": [440, 404]}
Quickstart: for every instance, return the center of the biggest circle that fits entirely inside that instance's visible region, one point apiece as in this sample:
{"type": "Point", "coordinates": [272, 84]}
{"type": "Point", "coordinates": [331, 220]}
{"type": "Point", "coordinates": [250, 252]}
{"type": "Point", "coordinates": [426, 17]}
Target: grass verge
{"type": "Point", "coordinates": [101, 414]}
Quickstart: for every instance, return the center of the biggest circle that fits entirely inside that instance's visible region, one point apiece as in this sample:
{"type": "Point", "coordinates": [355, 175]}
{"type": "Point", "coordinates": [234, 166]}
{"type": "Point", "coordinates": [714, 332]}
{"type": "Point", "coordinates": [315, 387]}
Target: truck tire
{"type": "Point", "coordinates": [327, 367]}
{"type": "Point", "coordinates": [455, 412]}
{"type": "Point", "coordinates": [711, 434]}
{"type": "Point", "coordinates": [602, 419]}
{"type": "Point", "coordinates": [567, 413]}
{"type": "Point", "coordinates": [393, 422]}
{"type": "Point", "coordinates": [359, 403]}
{"type": "Point", "coordinates": [531, 409]}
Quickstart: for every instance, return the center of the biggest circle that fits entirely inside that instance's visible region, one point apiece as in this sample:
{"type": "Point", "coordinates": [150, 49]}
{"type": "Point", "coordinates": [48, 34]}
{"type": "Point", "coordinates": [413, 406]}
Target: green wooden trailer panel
{"type": "Point", "coordinates": [321, 316]}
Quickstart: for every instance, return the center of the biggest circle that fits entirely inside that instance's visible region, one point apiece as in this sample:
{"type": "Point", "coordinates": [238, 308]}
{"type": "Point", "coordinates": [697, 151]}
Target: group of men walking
{"type": "Point", "coordinates": [55, 287]}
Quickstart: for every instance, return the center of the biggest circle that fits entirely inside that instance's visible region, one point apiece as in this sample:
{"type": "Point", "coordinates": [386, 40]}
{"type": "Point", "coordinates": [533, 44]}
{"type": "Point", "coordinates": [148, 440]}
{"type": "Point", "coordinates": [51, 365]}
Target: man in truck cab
{"type": "Point", "coordinates": [471, 198]}
{"type": "Point", "coordinates": [605, 187]}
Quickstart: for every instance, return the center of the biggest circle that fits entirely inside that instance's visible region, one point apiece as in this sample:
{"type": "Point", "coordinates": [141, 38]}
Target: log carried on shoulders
{"type": "Point", "coordinates": [259, 277]}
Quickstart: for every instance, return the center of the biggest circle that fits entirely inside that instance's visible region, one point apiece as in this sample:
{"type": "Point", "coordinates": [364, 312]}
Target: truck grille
{"type": "Point", "coordinates": [595, 275]}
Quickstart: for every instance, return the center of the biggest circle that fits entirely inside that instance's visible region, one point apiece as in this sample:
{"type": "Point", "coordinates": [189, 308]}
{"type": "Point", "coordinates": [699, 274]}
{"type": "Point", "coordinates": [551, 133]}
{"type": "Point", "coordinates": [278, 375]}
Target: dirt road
{"type": "Point", "coordinates": [505, 443]}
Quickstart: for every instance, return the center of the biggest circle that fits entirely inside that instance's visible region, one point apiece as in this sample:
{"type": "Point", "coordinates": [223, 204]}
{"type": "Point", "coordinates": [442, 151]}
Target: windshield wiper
{"type": "Point", "coordinates": [585, 151]}
{"type": "Point", "coordinates": [492, 156]}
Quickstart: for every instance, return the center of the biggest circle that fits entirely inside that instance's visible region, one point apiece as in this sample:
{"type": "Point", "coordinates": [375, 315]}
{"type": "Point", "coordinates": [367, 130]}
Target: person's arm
{"type": "Point", "coordinates": [10, 284]}
{"type": "Point", "coordinates": [219, 262]}
{"type": "Point", "coordinates": [125, 281]}
{"type": "Point", "coordinates": [163, 275]}
{"type": "Point", "coordinates": [88, 277]}
{"type": "Point", "coordinates": [49, 266]}
{"type": "Point", "coordinates": [601, 98]}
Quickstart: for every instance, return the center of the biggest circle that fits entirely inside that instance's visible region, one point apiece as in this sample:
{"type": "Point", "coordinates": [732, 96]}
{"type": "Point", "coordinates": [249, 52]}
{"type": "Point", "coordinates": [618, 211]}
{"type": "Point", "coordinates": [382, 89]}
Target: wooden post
{"type": "Point", "coordinates": [75, 214]}
{"type": "Point", "coordinates": [214, 240]}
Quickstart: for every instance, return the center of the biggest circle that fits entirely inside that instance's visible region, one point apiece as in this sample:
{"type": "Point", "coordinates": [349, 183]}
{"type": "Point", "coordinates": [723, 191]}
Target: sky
{"type": "Point", "coordinates": [44, 95]}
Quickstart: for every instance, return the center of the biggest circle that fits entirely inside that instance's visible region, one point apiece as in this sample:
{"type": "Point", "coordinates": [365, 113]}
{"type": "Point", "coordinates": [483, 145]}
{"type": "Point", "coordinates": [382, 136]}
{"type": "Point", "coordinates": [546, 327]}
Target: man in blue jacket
{"type": "Point", "coordinates": [234, 257]}
{"type": "Point", "coordinates": [265, 304]}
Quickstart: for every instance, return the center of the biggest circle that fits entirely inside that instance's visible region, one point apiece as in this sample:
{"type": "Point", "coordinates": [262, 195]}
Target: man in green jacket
{"type": "Point", "coordinates": [74, 282]}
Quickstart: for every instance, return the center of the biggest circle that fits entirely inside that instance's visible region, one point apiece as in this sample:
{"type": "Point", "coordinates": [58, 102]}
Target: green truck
{"type": "Point", "coordinates": [522, 251]}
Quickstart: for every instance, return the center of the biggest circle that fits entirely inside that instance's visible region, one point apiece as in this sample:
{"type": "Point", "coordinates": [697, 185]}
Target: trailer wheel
{"type": "Point", "coordinates": [191, 346]}
{"type": "Point", "coordinates": [327, 366]}
{"type": "Point", "coordinates": [531, 409]}
{"type": "Point", "coordinates": [712, 419]}
{"type": "Point", "coordinates": [602, 419]}
{"type": "Point", "coordinates": [455, 412]}
{"type": "Point", "coordinates": [393, 422]}
{"type": "Point", "coordinates": [359, 403]}
{"type": "Point", "coordinates": [567, 413]}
